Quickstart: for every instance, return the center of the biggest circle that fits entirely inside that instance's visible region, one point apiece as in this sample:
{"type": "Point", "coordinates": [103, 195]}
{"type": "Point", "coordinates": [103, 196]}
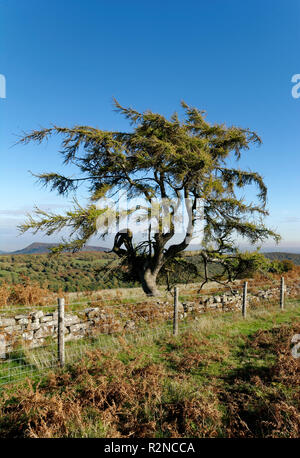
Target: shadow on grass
{"type": "Point", "coordinates": [262, 395]}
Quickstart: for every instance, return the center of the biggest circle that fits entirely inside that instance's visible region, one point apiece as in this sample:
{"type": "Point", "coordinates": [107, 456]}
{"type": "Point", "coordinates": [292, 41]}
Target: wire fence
{"type": "Point", "coordinates": [34, 339]}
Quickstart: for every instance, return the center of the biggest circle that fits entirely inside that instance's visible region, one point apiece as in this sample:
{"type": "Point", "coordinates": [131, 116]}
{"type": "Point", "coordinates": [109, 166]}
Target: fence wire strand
{"type": "Point", "coordinates": [25, 361]}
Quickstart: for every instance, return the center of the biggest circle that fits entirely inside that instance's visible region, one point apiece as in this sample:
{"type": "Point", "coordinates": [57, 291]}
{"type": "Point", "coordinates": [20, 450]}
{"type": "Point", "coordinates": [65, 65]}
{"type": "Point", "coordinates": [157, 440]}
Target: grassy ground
{"type": "Point", "coordinates": [222, 376]}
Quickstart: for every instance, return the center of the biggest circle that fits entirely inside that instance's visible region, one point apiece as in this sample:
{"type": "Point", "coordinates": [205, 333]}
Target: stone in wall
{"type": "Point", "coordinates": [7, 321]}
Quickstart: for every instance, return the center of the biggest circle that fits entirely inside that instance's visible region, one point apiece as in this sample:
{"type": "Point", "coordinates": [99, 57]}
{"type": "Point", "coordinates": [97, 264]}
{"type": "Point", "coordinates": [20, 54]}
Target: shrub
{"type": "Point", "coordinates": [279, 267]}
{"type": "Point", "coordinates": [26, 292]}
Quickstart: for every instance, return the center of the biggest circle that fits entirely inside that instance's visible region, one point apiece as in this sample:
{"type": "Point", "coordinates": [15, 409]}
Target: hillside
{"type": "Point", "coordinates": [83, 271]}
{"type": "Point", "coordinates": [280, 256]}
{"type": "Point", "coordinates": [88, 271]}
{"type": "Point", "coordinates": [70, 272]}
{"type": "Point", "coordinates": [43, 248]}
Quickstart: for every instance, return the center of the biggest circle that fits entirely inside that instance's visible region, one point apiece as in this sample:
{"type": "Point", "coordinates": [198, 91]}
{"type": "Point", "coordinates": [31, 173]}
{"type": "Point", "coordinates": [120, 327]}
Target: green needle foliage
{"type": "Point", "coordinates": [184, 161]}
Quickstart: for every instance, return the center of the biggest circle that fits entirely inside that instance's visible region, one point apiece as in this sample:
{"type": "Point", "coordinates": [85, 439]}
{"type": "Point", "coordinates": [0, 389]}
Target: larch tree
{"type": "Point", "coordinates": [170, 161]}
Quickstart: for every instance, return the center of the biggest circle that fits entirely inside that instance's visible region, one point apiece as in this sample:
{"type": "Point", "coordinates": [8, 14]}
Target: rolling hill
{"type": "Point", "coordinates": [43, 248]}
{"type": "Point", "coordinates": [280, 256]}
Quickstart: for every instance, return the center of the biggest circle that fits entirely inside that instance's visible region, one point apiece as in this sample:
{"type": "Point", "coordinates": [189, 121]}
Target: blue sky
{"type": "Point", "coordinates": [64, 61]}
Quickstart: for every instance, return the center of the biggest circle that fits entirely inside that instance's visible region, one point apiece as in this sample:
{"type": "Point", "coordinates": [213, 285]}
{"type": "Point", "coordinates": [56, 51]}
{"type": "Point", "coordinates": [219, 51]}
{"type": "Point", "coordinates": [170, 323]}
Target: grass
{"type": "Point", "coordinates": [222, 376]}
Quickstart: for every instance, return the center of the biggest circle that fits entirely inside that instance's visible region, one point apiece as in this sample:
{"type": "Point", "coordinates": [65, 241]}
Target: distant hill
{"type": "Point", "coordinates": [42, 248]}
{"type": "Point", "coordinates": [295, 258]}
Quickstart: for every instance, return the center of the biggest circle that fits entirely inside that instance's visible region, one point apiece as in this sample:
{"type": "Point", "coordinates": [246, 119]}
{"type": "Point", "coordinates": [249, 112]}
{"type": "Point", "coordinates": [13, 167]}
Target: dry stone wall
{"type": "Point", "coordinates": [37, 328]}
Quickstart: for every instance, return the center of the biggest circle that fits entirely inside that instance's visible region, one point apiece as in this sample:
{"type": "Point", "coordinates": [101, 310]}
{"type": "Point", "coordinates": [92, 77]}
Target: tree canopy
{"type": "Point", "coordinates": [171, 160]}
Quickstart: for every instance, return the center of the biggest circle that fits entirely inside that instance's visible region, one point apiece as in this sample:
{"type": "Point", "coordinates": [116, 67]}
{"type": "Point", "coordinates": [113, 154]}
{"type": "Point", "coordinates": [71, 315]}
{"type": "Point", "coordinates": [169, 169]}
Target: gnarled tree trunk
{"type": "Point", "coordinates": [148, 282]}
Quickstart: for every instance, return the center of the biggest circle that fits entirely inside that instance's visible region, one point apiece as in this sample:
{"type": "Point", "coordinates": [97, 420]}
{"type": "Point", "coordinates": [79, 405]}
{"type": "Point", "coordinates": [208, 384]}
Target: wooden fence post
{"type": "Point", "coordinates": [244, 306]}
{"type": "Point", "coordinates": [60, 332]}
{"type": "Point", "coordinates": [2, 347]}
{"type": "Point", "coordinates": [175, 316]}
{"type": "Point", "coordinates": [282, 288]}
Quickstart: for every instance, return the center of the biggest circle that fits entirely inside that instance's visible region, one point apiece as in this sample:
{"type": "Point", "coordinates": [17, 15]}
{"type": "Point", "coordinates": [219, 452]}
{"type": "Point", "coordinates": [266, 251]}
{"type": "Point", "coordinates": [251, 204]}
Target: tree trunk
{"type": "Point", "coordinates": [148, 281]}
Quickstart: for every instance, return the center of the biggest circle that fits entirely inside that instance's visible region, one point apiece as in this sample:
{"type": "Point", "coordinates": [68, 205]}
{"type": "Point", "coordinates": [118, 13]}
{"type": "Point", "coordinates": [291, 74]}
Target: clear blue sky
{"type": "Point", "coordinates": [65, 60]}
